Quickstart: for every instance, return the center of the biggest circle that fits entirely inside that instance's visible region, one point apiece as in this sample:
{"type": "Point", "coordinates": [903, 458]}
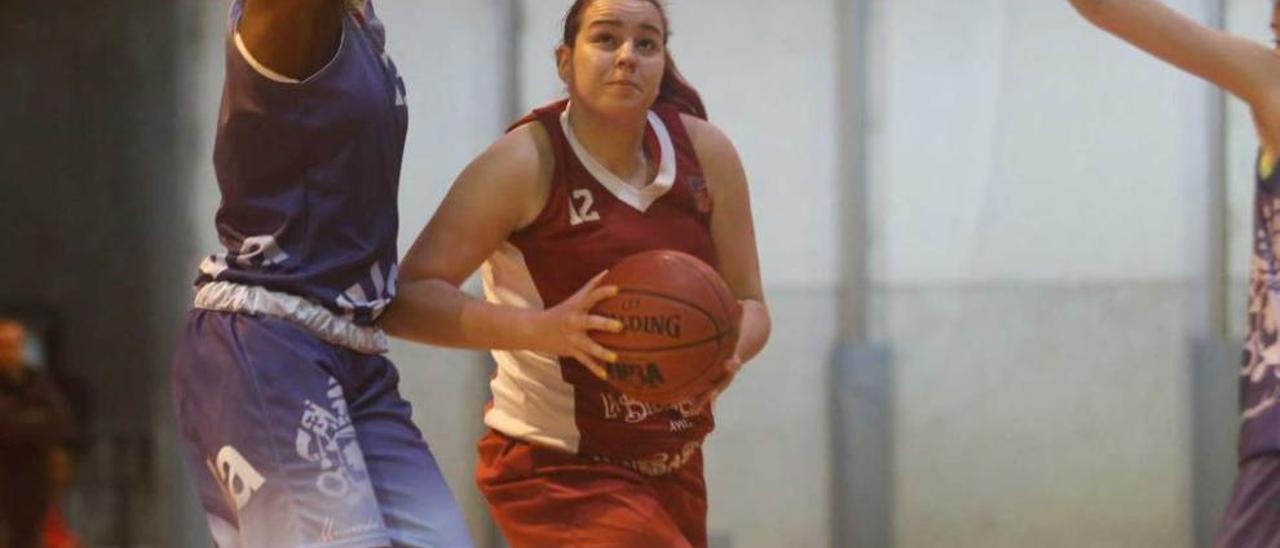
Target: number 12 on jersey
{"type": "Point", "coordinates": [580, 211]}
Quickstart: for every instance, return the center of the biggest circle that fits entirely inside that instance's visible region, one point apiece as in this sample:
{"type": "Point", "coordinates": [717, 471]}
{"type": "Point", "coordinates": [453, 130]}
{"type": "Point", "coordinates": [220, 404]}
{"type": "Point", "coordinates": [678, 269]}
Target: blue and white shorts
{"type": "Point", "coordinates": [297, 441]}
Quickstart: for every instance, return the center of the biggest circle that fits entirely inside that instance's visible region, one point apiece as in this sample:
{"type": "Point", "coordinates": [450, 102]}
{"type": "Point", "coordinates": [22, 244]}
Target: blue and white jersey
{"type": "Point", "coordinates": [1260, 376]}
{"type": "Point", "coordinates": [309, 173]}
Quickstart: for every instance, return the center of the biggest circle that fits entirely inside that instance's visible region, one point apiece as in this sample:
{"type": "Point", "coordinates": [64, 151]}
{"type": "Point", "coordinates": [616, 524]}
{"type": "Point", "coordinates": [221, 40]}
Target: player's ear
{"type": "Point", "coordinates": [564, 63]}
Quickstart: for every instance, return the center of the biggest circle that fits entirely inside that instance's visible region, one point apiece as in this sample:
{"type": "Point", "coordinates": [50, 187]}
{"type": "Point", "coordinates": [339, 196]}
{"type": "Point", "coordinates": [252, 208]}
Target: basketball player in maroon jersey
{"type": "Point", "coordinates": [627, 164]}
{"type": "Point", "coordinates": [1252, 73]}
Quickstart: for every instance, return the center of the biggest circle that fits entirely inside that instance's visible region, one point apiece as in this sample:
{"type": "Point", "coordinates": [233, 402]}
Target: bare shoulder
{"type": "Point", "coordinates": [524, 153]}
{"type": "Point", "coordinates": [706, 136]}
{"type": "Point", "coordinates": [716, 153]}
{"type": "Point", "coordinates": [517, 167]}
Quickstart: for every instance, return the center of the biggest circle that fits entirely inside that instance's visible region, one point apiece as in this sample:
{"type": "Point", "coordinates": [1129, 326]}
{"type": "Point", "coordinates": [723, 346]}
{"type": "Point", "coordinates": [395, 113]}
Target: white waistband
{"type": "Point", "coordinates": [320, 321]}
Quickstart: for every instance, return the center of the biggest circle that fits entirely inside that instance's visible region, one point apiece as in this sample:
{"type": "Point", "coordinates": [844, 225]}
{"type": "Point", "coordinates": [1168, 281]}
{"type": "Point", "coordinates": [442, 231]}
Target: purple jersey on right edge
{"type": "Point", "coordinates": [1260, 377]}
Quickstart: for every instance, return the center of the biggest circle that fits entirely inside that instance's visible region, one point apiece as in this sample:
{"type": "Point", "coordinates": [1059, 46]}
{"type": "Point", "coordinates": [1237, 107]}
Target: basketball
{"type": "Point", "coordinates": [680, 323]}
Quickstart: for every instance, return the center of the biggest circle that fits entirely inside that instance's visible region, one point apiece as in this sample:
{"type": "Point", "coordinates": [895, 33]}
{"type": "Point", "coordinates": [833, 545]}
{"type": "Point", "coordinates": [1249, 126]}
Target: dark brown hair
{"type": "Point", "coordinates": [674, 90]}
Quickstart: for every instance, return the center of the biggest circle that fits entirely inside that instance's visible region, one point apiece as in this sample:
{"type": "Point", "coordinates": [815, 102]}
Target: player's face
{"type": "Point", "coordinates": [12, 342]}
{"type": "Point", "coordinates": [617, 59]}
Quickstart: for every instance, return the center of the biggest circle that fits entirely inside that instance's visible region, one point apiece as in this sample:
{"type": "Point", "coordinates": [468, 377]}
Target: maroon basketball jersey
{"type": "Point", "coordinates": [591, 221]}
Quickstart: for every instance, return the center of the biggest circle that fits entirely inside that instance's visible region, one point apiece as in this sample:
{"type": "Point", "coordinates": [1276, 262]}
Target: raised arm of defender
{"type": "Point", "coordinates": [294, 38]}
{"type": "Point", "coordinates": [1245, 69]}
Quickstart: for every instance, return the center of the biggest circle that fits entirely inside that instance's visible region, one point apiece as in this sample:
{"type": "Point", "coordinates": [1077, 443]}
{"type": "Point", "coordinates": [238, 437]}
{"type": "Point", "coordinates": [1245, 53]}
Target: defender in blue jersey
{"type": "Point", "coordinates": [1252, 73]}
{"type": "Point", "coordinates": [291, 417]}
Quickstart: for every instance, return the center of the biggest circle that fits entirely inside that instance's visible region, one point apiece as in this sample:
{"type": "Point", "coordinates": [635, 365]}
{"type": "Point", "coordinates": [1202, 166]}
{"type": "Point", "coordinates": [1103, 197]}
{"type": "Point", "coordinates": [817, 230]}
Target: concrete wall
{"type": "Point", "coordinates": [85, 167]}
{"type": "Point", "coordinates": [1016, 143]}
{"type": "Point", "coordinates": [89, 159]}
{"type": "Point", "coordinates": [1036, 207]}
{"type": "Point", "coordinates": [1040, 416]}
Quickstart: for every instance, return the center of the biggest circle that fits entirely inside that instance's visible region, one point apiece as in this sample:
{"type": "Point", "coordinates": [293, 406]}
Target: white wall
{"type": "Point", "coordinates": [1016, 143]}
{"type": "Point", "coordinates": [1036, 187]}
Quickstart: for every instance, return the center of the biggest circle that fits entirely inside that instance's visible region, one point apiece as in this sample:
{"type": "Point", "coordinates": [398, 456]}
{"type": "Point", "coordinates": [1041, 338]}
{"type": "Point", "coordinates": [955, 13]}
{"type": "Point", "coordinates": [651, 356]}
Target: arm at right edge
{"type": "Point", "coordinates": [1243, 68]}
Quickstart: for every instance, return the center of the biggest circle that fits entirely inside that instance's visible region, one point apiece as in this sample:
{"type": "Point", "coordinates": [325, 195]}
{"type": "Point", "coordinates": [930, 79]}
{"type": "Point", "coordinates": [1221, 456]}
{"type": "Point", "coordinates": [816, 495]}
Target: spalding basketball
{"type": "Point", "coordinates": [680, 323]}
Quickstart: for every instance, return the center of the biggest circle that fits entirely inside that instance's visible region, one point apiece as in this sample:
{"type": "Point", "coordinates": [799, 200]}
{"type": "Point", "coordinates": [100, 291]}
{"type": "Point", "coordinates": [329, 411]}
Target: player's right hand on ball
{"type": "Point", "coordinates": [563, 329]}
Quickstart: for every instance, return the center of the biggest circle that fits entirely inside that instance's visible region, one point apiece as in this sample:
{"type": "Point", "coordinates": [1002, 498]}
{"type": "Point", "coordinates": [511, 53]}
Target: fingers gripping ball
{"type": "Point", "coordinates": [680, 323]}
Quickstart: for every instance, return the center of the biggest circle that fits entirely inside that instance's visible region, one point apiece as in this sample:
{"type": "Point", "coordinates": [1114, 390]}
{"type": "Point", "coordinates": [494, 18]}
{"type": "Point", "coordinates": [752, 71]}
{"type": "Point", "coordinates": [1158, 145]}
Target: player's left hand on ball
{"type": "Point", "coordinates": [708, 398]}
